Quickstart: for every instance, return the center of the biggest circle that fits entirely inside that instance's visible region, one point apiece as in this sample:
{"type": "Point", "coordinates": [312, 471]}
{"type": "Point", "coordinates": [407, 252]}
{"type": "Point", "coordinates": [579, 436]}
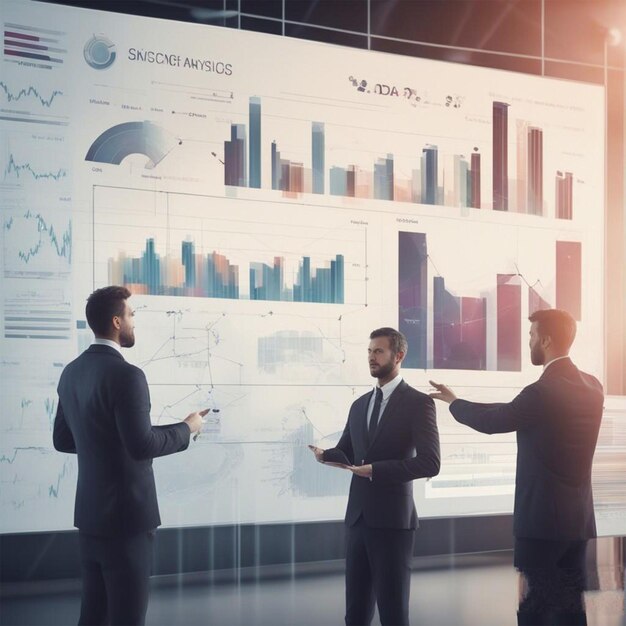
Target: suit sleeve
{"type": "Point", "coordinates": [427, 459]}
{"type": "Point", "coordinates": [499, 417]}
{"type": "Point", "coordinates": [62, 437]}
{"type": "Point", "coordinates": [132, 417]}
{"type": "Point", "coordinates": [345, 443]}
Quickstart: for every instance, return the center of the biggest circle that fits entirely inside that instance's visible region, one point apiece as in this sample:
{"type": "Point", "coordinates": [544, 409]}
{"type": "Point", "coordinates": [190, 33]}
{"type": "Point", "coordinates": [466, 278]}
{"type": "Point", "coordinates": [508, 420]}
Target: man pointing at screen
{"type": "Point", "coordinates": [103, 416]}
{"type": "Point", "coordinates": [557, 420]}
{"type": "Point", "coordinates": [390, 439]}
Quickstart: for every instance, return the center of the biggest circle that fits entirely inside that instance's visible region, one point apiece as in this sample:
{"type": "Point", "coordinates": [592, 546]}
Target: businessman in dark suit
{"type": "Point", "coordinates": [557, 420]}
{"type": "Point", "coordinates": [103, 416]}
{"type": "Point", "coordinates": [390, 439]}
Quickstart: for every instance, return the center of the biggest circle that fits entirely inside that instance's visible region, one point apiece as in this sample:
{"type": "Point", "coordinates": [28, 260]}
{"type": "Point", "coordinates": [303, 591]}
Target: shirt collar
{"type": "Point", "coordinates": [390, 387]}
{"type": "Point", "coordinates": [558, 358]}
{"type": "Point", "coordinates": [107, 342]}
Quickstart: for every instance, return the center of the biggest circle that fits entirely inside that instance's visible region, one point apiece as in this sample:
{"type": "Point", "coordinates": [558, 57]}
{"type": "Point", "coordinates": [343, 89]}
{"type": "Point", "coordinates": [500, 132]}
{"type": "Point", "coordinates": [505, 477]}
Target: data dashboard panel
{"type": "Point", "coordinates": [269, 202]}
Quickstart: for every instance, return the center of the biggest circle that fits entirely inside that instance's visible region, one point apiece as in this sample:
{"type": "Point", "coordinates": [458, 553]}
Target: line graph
{"type": "Point", "coordinates": [50, 407]}
{"type": "Point", "coordinates": [16, 169]}
{"type": "Point", "coordinates": [32, 477]}
{"type": "Point", "coordinates": [264, 434]}
{"type": "Point", "coordinates": [197, 343]}
{"type": "Point", "coordinates": [35, 161]}
{"type": "Point", "coordinates": [54, 488]}
{"type": "Point", "coordinates": [32, 408]}
{"type": "Point", "coordinates": [34, 239]}
{"type": "Point", "coordinates": [28, 414]}
{"type": "Point", "coordinates": [12, 458]}
{"type": "Point", "coordinates": [62, 244]}
{"type": "Point", "coordinates": [30, 92]}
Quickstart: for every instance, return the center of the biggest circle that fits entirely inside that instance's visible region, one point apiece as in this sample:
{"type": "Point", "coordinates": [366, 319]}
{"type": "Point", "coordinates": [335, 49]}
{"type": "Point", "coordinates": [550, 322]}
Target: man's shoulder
{"type": "Point", "coordinates": [413, 393]}
{"type": "Point", "coordinates": [567, 371]}
{"type": "Point", "coordinates": [590, 379]}
{"type": "Point", "coordinates": [106, 360]}
{"type": "Point", "coordinates": [566, 381]}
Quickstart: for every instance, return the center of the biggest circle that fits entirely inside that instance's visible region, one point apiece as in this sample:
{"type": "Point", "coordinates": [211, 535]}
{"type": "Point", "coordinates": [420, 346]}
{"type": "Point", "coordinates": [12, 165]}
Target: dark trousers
{"type": "Point", "coordinates": [378, 571]}
{"type": "Point", "coordinates": [554, 577]}
{"type": "Point", "coordinates": [116, 574]}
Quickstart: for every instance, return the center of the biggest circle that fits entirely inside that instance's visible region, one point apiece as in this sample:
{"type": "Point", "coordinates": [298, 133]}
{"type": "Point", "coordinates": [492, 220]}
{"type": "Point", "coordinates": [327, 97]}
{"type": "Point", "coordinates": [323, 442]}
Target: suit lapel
{"type": "Point", "coordinates": [363, 431]}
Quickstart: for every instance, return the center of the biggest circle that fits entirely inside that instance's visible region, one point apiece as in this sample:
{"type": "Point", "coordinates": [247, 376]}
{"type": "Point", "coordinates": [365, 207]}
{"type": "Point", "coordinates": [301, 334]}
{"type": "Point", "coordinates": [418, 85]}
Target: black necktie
{"type": "Point", "coordinates": [375, 413]}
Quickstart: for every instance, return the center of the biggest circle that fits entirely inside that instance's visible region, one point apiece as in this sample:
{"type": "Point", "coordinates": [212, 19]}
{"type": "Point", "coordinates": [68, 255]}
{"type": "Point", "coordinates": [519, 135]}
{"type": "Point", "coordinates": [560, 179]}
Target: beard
{"type": "Point", "coordinates": [381, 371]}
{"type": "Point", "coordinates": [537, 356]}
{"type": "Point", "coordinates": [127, 338]}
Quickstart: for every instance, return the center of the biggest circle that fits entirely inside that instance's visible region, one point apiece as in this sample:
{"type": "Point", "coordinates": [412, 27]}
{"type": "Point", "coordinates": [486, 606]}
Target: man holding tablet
{"type": "Point", "coordinates": [390, 439]}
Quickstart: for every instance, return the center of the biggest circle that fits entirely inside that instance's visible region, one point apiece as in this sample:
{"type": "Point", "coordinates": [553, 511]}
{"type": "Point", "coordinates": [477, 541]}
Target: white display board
{"type": "Point", "coordinates": [269, 202]}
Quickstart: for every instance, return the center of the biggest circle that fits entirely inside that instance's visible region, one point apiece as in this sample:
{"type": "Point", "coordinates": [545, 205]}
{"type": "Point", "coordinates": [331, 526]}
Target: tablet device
{"type": "Point", "coordinates": [335, 455]}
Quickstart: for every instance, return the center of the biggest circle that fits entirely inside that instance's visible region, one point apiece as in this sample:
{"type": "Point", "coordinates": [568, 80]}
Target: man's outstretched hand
{"type": "Point", "coordinates": [443, 393]}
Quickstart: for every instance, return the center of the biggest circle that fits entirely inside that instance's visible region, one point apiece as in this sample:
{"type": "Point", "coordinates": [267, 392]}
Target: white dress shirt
{"type": "Point", "coordinates": [558, 358]}
{"type": "Point", "coordinates": [107, 342]}
{"type": "Point", "coordinates": [387, 390]}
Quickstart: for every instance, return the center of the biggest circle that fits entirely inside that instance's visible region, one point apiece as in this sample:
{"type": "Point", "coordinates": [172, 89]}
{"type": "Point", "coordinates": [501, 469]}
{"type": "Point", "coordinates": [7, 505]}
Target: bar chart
{"type": "Point", "coordinates": [473, 332]}
{"type": "Point", "coordinates": [431, 175]}
{"type": "Point", "coordinates": [213, 276]}
{"type": "Point", "coordinates": [229, 258]}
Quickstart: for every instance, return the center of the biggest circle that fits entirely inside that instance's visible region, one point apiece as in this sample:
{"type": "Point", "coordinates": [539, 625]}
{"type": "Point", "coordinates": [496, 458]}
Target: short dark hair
{"type": "Point", "coordinates": [559, 325]}
{"type": "Point", "coordinates": [103, 305]}
{"type": "Point", "coordinates": [397, 341]}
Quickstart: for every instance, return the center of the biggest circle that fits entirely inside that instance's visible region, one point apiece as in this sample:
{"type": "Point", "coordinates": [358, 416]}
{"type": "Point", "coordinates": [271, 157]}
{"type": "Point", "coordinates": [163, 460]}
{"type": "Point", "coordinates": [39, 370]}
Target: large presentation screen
{"type": "Point", "coordinates": [269, 202]}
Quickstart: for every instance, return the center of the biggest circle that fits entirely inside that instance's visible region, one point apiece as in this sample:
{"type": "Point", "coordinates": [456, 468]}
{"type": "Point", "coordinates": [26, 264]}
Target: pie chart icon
{"type": "Point", "coordinates": [99, 52]}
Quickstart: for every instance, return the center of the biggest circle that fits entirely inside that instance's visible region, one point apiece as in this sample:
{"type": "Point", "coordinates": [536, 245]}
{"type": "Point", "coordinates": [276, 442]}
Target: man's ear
{"type": "Point", "coordinates": [116, 322]}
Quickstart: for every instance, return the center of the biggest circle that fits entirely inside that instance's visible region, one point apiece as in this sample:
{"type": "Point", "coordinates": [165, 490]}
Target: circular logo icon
{"type": "Point", "coordinates": [99, 52]}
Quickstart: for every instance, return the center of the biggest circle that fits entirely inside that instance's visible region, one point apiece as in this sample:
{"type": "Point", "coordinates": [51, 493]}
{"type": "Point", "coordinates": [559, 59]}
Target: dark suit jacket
{"type": "Point", "coordinates": [405, 447]}
{"type": "Point", "coordinates": [104, 416]}
{"type": "Point", "coordinates": [557, 420]}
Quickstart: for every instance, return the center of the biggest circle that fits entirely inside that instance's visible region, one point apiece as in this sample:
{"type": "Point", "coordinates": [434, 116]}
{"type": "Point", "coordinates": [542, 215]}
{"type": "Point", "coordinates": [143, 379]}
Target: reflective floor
{"type": "Point", "coordinates": [446, 591]}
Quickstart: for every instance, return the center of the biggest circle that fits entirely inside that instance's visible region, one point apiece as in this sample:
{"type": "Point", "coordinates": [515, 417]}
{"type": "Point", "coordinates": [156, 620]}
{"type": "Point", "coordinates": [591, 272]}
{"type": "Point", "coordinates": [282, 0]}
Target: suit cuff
{"type": "Point", "coordinates": [185, 435]}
